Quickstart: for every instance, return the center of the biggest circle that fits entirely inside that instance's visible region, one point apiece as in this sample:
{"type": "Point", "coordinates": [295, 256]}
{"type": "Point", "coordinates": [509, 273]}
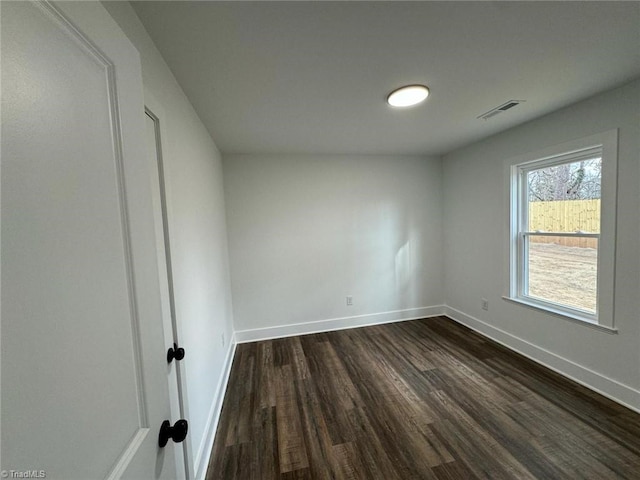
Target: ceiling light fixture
{"type": "Point", "coordinates": [408, 96]}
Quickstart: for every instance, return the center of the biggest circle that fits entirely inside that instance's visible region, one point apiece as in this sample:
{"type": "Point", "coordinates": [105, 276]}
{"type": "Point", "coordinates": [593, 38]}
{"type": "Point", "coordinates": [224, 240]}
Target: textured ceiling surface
{"type": "Point", "coordinates": [312, 77]}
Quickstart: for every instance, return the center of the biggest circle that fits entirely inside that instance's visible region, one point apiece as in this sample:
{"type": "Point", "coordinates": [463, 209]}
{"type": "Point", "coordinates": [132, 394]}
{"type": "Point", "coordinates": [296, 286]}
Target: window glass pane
{"type": "Point", "coordinates": [563, 270]}
{"type": "Point", "coordinates": [566, 197]}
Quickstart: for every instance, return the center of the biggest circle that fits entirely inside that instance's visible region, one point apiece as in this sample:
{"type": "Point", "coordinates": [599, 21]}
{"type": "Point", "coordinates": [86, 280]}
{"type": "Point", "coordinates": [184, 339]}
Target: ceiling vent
{"type": "Point", "coordinates": [500, 109]}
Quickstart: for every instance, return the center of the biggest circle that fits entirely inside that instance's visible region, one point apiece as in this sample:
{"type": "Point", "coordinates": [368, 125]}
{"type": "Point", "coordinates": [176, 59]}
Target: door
{"type": "Point", "coordinates": [84, 377]}
{"type": "Point", "coordinates": [154, 139]}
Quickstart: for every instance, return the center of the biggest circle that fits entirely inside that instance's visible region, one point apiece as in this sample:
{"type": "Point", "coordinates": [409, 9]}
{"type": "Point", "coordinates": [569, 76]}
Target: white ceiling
{"type": "Point", "coordinates": [312, 77]}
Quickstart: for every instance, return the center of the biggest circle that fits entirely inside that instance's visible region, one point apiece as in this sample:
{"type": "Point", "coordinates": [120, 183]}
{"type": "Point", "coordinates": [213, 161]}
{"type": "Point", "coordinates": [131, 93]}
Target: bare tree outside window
{"type": "Point", "coordinates": [568, 181]}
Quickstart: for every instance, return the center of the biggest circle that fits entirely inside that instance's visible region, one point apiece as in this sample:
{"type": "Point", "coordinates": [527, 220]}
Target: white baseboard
{"type": "Point", "coordinates": [281, 331]}
{"type": "Point", "coordinates": [608, 387]}
{"type": "Point", "coordinates": [204, 451]}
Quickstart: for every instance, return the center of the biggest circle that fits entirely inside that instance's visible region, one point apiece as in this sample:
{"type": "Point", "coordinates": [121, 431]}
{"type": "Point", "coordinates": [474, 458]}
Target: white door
{"type": "Point", "coordinates": [84, 372]}
{"type": "Point", "coordinates": [170, 325]}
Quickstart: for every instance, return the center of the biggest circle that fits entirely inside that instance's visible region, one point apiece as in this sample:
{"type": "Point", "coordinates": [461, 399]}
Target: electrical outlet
{"type": "Point", "coordinates": [349, 300]}
{"type": "Point", "coordinates": [222, 339]}
{"type": "Point", "coordinates": [485, 304]}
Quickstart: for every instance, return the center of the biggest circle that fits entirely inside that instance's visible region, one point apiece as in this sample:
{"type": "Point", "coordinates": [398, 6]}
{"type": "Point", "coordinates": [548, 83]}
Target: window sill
{"type": "Point", "coordinates": [562, 314]}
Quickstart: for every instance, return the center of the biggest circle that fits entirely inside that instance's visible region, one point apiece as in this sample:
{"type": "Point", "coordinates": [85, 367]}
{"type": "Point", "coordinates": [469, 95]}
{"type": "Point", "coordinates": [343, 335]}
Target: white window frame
{"type": "Point", "coordinates": [605, 143]}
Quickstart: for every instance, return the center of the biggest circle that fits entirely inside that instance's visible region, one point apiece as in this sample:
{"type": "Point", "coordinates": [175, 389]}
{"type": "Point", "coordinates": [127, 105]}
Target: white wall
{"type": "Point", "coordinates": [476, 248]}
{"type": "Point", "coordinates": [305, 232]}
{"type": "Point", "coordinates": [198, 239]}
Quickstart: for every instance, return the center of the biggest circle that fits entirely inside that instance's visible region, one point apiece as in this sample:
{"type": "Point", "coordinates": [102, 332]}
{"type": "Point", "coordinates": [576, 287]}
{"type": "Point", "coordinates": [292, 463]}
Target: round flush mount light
{"type": "Point", "coordinates": [408, 96]}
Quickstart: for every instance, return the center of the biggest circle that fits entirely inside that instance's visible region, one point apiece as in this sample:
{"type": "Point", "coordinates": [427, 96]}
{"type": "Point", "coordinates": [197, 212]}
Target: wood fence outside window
{"type": "Point", "coordinates": [565, 216]}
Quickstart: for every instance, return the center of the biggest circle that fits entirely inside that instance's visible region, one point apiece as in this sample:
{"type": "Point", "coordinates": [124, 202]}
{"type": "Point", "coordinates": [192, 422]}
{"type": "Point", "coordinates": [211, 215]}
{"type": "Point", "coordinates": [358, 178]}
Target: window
{"type": "Point", "coordinates": [563, 229]}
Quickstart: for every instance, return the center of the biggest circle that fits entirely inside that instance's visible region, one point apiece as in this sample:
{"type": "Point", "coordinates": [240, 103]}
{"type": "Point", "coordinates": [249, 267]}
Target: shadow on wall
{"type": "Point", "coordinates": [388, 255]}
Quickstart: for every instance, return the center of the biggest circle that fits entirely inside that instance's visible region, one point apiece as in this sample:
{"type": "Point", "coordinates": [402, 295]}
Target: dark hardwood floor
{"type": "Point", "coordinates": [425, 399]}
